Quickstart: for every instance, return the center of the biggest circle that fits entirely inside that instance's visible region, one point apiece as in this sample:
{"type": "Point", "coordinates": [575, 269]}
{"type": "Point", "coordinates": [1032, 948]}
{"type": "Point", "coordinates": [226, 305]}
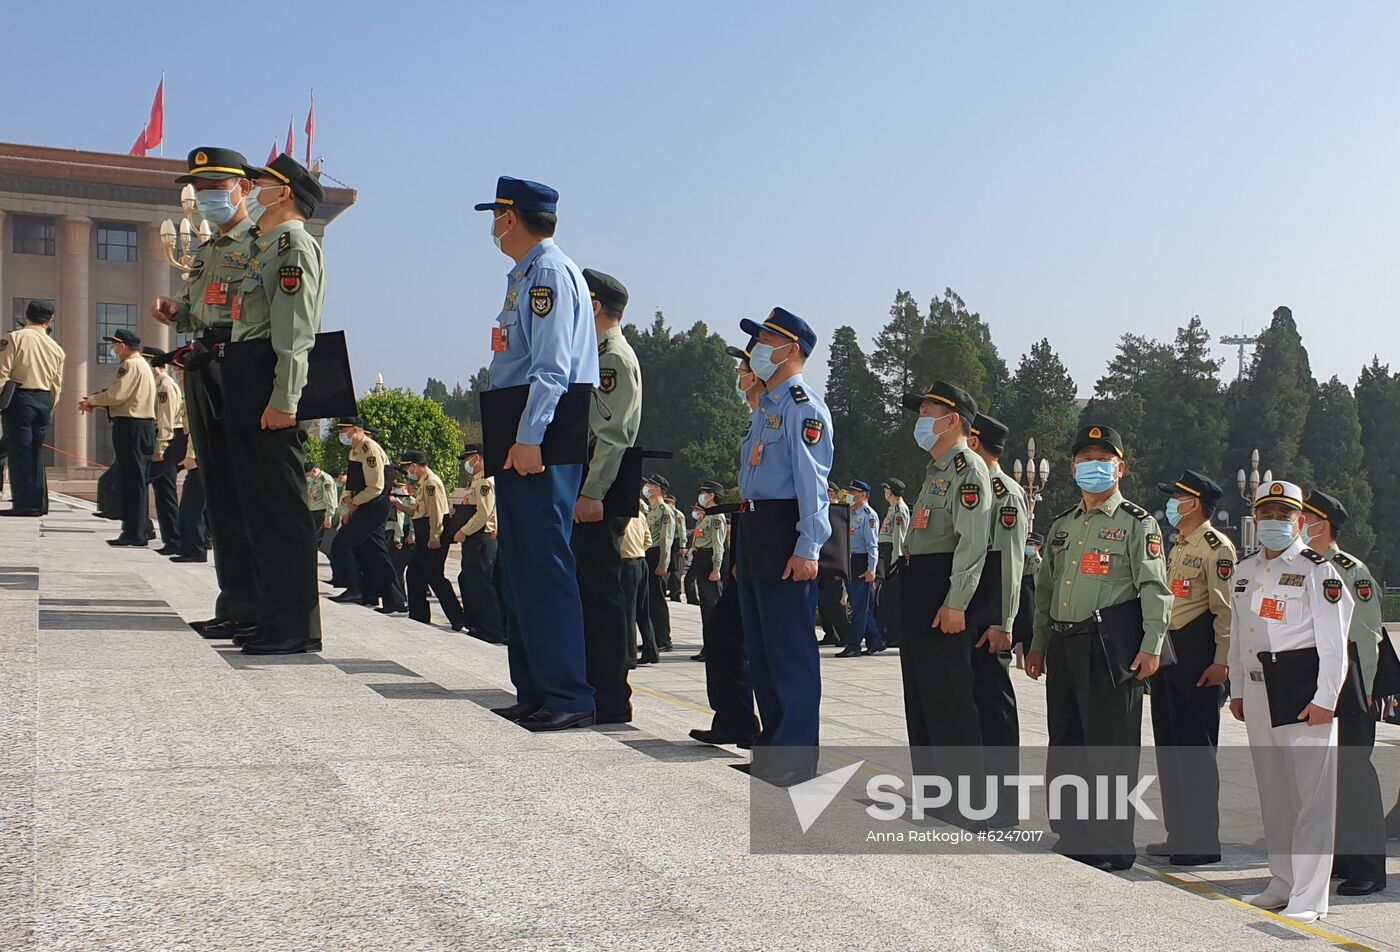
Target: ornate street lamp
{"type": "Point", "coordinates": [180, 252]}
{"type": "Point", "coordinates": [1248, 486]}
{"type": "Point", "coordinates": [1033, 477]}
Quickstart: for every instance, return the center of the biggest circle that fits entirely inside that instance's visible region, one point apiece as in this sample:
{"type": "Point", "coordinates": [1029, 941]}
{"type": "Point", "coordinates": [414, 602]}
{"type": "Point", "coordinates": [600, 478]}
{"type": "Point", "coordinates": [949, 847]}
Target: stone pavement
{"type": "Point", "coordinates": [159, 792]}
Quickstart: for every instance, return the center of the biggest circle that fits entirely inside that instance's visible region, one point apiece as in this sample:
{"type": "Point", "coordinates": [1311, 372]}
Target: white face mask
{"type": "Point", "coordinates": [495, 237]}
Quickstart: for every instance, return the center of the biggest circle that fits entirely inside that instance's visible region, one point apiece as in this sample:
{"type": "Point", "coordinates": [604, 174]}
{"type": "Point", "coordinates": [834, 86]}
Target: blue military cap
{"type": "Point", "coordinates": [860, 486]}
{"type": "Point", "coordinates": [513, 194]}
{"type": "Point", "coordinates": [785, 324]}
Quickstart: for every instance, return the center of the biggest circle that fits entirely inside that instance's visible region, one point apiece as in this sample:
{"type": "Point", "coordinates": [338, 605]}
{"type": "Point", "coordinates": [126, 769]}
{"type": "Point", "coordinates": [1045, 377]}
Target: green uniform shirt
{"type": "Point", "coordinates": [1010, 524]}
{"type": "Point", "coordinates": [620, 391]}
{"type": "Point", "coordinates": [320, 492]}
{"type": "Point", "coordinates": [895, 529]}
{"type": "Point", "coordinates": [663, 530]}
{"type": "Point", "coordinates": [711, 534]}
{"type": "Point", "coordinates": [1123, 546]}
{"type": "Point", "coordinates": [1365, 616]}
{"type": "Point", "coordinates": [280, 298]}
{"type": "Point", "coordinates": [953, 514]}
{"type": "Point", "coordinates": [206, 298]}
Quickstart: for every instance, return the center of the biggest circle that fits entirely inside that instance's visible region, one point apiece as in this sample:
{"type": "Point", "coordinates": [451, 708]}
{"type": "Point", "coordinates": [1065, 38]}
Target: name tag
{"type": "Point", "coordinates": [921, 518]}
{"type": "Point", "coordinates": [499, 340]}
{"type": "Point", "coordinates": [237, 312]}
{"type": "Point", "coordinates": [216, 292]}
{"type": "Point", "coordinates": [1181, 587]}
{"type": "Point", "coordinates": [756, 457]}
{"type": "Point", "coordinates": [1094, 563]}
{"type": "Point", "coordinates": [696, 534]}
{"type": "Point", "coordinates": [1272, 608]}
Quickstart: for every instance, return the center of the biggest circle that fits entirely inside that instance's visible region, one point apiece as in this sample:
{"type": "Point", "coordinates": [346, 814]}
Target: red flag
{"type": "Point", "coordinates": [310, 128]}
{"type": "Point", "coordinates": [139, 147]}
{"type": "Point", "coordinates": [291, 142]}
{"type": "Point", "coordinates": [155, 129]}
{"type": "Point", "coordinates": [273, 154]}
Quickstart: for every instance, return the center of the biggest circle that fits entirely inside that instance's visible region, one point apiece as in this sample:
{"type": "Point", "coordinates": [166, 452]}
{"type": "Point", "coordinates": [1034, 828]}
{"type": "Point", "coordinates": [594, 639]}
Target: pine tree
{"type": "Point", "coordinates": [1273, 401]}
{"type": "Point", "coordinates": [897, 345]}
{"type": "Point", "coordinates": [860, 411]}
{"type": "Point", "coordinates": [1332, 445]}
{"type": "Point", "coordinates": [950, 311]}
{"type": "Point", "coordinates": [1041, 404]}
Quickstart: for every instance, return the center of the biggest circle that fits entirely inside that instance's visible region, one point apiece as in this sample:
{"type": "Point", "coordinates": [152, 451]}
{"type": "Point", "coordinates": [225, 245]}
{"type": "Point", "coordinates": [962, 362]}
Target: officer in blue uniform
{"type": "Point", "coordinates": [784, 522]}
{"type": "Point", "coordinates": [544, 338]}
{"type": "Point", "coordinates": [860, 584]}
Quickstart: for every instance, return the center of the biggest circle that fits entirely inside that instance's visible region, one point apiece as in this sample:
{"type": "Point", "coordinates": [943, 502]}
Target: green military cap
{"type": "Point", "coordinates": [710, 486]}
{"type": "Point", "coordinates": [308, 467]}
{"type": "Point", "coordinates": [416, 457]}
{"type": "Point", "coordinates": [947, 394]}
{"type": "Point", "coordinates": [991, 431]}
{"type": "Point", "coordinates": [152, 352]}
{"type": "Point", "coordinates": [606, 290]}
{"type": "Point", "coordinates": [1327, 506]}
{"type": "Point", "coordinates": [1195, 484]}
{"type": "Point", "coordinates": [40, 311]}
{"type": "Point", "coordinates": [123, 336]}
{"type": "Point", "coordinates": [289, 171]}
{"type": "Point", "coordinates": [656, 479]}
{"type": "Point", "coordinates": [895, 486]}
{"type": "Point", "coordinates": [1096, 435]}
{"type": "Point", "coordinates": [471, 449]}
{"type": "Point", "coordinates": [1035, 538]}
{"type": "Point", "coordinates": [208, 162]}
{"type": "Point", "coordinates": [345, 423]}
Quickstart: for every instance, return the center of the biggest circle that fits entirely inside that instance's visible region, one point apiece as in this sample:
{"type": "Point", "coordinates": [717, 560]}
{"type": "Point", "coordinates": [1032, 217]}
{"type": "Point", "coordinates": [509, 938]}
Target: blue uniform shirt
{"type": "Point", "coordinates": [544, 336]}
{"type": "Point", "coordinates": [865, 531]}
{"type": "Point", "coordinates": [787, 455]}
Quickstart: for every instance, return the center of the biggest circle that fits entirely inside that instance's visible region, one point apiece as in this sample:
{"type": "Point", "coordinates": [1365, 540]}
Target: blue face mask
{"type": "Point", "coordinates": [345, 438]}
{"type": "Point", "coordinates": [1309, 538]}
{"type": "Point", "coordinates": [1030, 551]}
{"type": "Point", "coordinates": [738, 388]}
{"type": "Point", "coordinates": [1096, 475]}
{"type": "Point", "coordinates": [927, 431]}
{"type": "Point", "coordinates": [1174, 511]}
{"type": "Point", "coordinates": [761, 362]}
{"type": "Point", "coordinates": [217, 206]}
{"type": "Point", "coordinates": [1275, 534]}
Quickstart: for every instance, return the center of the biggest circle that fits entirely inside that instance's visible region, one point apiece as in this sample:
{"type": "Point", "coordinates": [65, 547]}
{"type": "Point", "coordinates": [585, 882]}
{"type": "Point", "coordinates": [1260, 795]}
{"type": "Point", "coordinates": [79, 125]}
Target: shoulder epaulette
{"type": "Point", "coordinates": [284, 242]}
{"type": "Point", "coordinates": [798, 394]}
{"type": "Point", "coordinates": [1136, 511]}
{"type": "Point", "coordinates": [1212, 539]}
{"type": "Point", "coordinates": [960, 462]}
{"type": "Point", "coordinates": [1344, 560]}
{"type": "Point", "coordinates": [1313, 557]}
{"type": "Point", "coordinates": [1061, 515]}
{"type": "Point", "coordinates": [999, 487]}
{"type": "Point", "coordinates": [602, 347]}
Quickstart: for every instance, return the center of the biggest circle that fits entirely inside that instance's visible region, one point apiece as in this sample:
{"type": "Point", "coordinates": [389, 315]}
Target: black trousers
{"type": "Point", "coordinates": [270, 479]}
{"type": "Point", "coordinates": [727, 684]}
{"type": "Point", "coordinates": [425, 573]}
{"type": "Point", "coordinates": [194, 532]}
{"type": "Point", "coordinates": [133, 444]}
{"type": "Point", "coordinates": [1186, 731]}
{"type": "Point", "coordinates": [1361, 812]}
{"type": "Point", "coordinates": [645, 628]}
{"type": "Point", "coordinates": [835, 621]}
{"type": "Point", "coordinates": [997, 718]}
{"type": "Point", "coordinates": [702, 563]}
{"type": "Point", "coordinates": [26, 422]}
{"type": "Point", "coordinates": [400, 558]}
{"type": "Point", "coordinates": [634, 614]}
{"type": "Point", "coordinates": [692, 581]}
{"type": "Point", "coordinates": [360, 546]}
{"type": "Point", "coordinates": [657, 608]}
{"type": "Point", "coordinates": [598, 565]}
{"type": "Point", "coordinates": [234, 559]}
{"type": "Point", "coordinates": [477, 579]}
{"type": "Point", "coordinates": [162, 475]}
{"type": "Point", "coordinates": [673, 577]}
{"type": "Point", "coordinates": [939, 706]}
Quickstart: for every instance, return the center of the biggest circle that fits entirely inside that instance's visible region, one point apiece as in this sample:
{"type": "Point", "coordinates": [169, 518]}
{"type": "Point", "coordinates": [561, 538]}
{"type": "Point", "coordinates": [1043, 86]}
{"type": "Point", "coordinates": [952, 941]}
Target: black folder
{"type": "Point", "coordinates": [565, 439]}
{"type": "Point", "coordinates": [623, 497]}
{"type": "Point", "coordinates": [1119, 632]}
{"type": "Point", "coordinates": [1290, 679]}
{"type": "Point", "coordinates": [247, 370]}
{"type": "Point", "coordinates": [1387, 669]}
{"type": "Point", "coordinates": [460, 515]}
{"type": "Point", "coordinates": [7, 393]}
{"type": "Point", "coordinates": [770, 536]}
{"type": "Point", "coordinates": [1353, 700]}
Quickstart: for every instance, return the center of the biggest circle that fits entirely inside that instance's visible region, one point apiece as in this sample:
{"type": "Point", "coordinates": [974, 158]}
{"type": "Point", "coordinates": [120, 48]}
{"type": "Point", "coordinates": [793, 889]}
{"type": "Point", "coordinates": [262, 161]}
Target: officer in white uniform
{"type": "Point", "coordinates": [1288, 597]}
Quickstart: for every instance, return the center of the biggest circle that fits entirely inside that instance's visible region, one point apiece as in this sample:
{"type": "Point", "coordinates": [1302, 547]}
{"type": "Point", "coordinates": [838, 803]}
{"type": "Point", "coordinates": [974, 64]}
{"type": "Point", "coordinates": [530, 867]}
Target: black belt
{"type": "Point", "coordinates": [1069, 628]}
{"type": "Point", "coordinates": [216, 335]}
{"type": "Point", "coordinates": [32, 390]}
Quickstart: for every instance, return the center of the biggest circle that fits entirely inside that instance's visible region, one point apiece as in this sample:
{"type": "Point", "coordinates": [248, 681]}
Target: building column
{"type": "Point", "coordinates": [75, 321]}
{"type": "Point", "coordinates": [155, 282]}
{"type": "Point", "coordinates": [5, 305]}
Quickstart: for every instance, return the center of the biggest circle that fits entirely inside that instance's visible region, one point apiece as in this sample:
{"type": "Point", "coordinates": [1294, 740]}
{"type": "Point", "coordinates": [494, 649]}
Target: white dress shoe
{"type": "Point", "coordinates": [1267, 900]}
{"type": "Point", "coordinates": [1302, 915]}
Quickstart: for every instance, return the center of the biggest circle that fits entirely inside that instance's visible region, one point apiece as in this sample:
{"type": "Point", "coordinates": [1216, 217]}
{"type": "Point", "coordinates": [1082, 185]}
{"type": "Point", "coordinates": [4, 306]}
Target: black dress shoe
{"type": "Point", "coordinates": [872, 651]}
{"type": "Point", "coordinates": [119, 542]}
{"type": "Point", "coordinates": [459, 625]}
{"type": "Point", "coordinates": [167, 550]}
{"type": "Point", "coordinates": [347, 596]}
{"type": "Point", "coordinates": [642, 661]}
{"type": "Point", "coordinates": [717, 738]}
{"type": "Point", "coordinates": [1104, 864]}
{"type": "Point", "coordinates": [208, 623]}
{"type": "Point", "coordinates": [698, 657]}
{"type": "Point", "coordinates": [848, 653]}
{"type": "Point", "coordinates": [26, 513]}
{"type": "Point", "coordinates": [516, 711]}
{"type": "Point", "coordinates": [228, 629]}
{"type": "Point", "coordinates": [246, 638]}
{"type": "Point", "coordinates": [665, 648]}
{"type": "Point", "coordinates": [1193, 859]}
{"type": "Point", "coordinates": [831, 641]}
{"type": "Point", "coordinates": [1158, 849]}
{"type": "Point", "coordinates": [618, 717]}
{"type": "Point", "coordinates": [392, 610]}
{"type": "Point", "coordinates": [1360, 887]}
{"type": "Point", "coordinates": [546, 720]}
{"type": "Point", "coordinates": [189, 558]}
{"type": "Point", "coordinates": [296, 647]}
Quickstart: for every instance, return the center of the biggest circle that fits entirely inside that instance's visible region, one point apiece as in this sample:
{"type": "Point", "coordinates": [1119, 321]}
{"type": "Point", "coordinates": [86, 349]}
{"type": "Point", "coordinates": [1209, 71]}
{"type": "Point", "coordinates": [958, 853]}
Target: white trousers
{"type": "Point", "coordinates": [1297, 780]}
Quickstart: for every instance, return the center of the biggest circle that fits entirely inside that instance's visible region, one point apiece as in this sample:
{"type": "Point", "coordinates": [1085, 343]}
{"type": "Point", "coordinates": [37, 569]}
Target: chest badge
{"type": "Point", "coordinates": [1117, 534]}
{"type": "Point", "coordinates": [812, 431]}
{"type": "Point", "coordinates": [1332, 589]}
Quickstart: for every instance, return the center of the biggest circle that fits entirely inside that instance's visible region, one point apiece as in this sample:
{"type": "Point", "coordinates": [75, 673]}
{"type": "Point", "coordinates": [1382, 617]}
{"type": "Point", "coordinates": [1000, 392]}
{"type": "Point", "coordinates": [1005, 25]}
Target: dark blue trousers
{"type": "Point", "coordinates": [781, 639]}
{"type": "Point", "coordinates": [862, 594]}
{"type": "Point", "coordinates": [535, 517]}
{"type": "Point", "coordinates": [26, 423]}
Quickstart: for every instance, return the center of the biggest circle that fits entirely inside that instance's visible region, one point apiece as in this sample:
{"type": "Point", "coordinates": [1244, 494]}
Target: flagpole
{"type": "Point", "coordinates": [162, 113]}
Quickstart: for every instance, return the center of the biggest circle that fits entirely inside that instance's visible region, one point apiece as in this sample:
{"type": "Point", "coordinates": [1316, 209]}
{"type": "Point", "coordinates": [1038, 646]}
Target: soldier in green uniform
{"type": "Point", "coordinates": [320, 499]}
{"type": "Point", "coordinates": [280, 299]}
{"type": "Point", "coordinates": [662, 527]}
{"type": "Point", "coordinates": [948, 534]}
{"type": "Point", "coordinates": [203, 308]}
{"type": "Point", "coordinates": [1360, 838]}
{"type": "Point", "coordinates": [613, 421]}
{"type": "Point", "coordinates": [1104, 551]}
{"type": "Point", "coordinates": [894, 528]}
{"type": "Point", "coordinates": [1186, 696]}
{"type": "Point", "coordinates": [707, 549]}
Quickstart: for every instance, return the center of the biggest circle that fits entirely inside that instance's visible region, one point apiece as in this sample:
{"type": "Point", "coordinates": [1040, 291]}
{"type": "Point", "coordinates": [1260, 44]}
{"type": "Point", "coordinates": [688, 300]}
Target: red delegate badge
{"type": "Point", "coordinates": [498, 340]}
{"type": "Point", "coordinates": [921, 518]}
{"type": "Point", "coordinates": [216, 292]}
{"type": "Point", "coordinates": [1272, 609]}
{"type": "Point", "coordinates": [1094, 563]}
{"type": "Point", "coordinates": [1181, 587]}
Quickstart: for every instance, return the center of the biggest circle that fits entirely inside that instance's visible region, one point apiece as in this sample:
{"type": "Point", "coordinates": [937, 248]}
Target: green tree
{"type": "Point", "coordinates": [897, 345]}
{"type": "Point", "coordinates": [406, 421]}
{"type": "Point", "coordinates": [949, 311]}
{"type": "Point", "coordinates": [1383, 465]}
{"type": "Point", "coordinates": [1272, 402]}
{"type": "Point", "coordinates": [1332, 445]}
{"type": "Point", "coordinates": [1371, 388]}
{"type": "Point", "coordinates": [435, 390]}
{"type": "Point", "coordinates": [1042, 404]}
{"type": "Point", "coordinates": [1138, 374]}
{"type": "Point", "coordinates": [315, 447]}
{"type": "Point", "coordinates": [860, 410]}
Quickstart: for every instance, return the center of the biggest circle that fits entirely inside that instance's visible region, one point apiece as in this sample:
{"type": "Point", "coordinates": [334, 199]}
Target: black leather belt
{"type": "Point", "coordinates": [1069, 628]}
{"type": "Point", "coordinates": [32, 390]}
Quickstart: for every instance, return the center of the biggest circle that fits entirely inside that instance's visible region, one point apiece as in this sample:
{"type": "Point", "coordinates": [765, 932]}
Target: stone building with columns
{"type": "Point", "coordinates": [82, 229]}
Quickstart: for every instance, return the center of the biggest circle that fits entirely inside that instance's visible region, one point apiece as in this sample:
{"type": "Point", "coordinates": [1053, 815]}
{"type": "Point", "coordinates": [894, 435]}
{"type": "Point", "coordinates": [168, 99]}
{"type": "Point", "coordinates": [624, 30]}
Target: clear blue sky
{"type": "Point", "coordinates": [1073, 170]}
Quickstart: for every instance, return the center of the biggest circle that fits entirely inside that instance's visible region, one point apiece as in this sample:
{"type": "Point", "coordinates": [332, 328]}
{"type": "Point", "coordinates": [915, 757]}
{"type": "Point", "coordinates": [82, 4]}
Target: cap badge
{"type": "Point", "coordinates": [201, 159]}
{"type": "Point", "coordinates": [1095, 433]}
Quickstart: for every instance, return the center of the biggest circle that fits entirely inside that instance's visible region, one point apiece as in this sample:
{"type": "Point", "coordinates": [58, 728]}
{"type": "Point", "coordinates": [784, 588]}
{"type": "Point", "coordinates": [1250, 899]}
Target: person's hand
{"type": "Point", "coordinates": [524, 458]}
{"type": "Point", "coordinates": [460, 536]}
{"type": "Point", "coordinates": [435, 543]}
{"type": "Point", "coordinates": [662, 571]}
{"type": "Point", "coordinates": [1316, 716]}
{"type": "Point", "coordinates": [1035, 664]}
{"type": "Point", "coordinates": [996, 640]}
{"type": "Point", "coordinates": [85, 405]}
{"type": "Point", "coordinates": [1237, 708]}
{"type": "Point", "coordinates": [157, 457]}
{"type": "Point", "coordinates": [714, 576]}
{"type": "Point", "coordinates": [398, 545]}
{"type": "Point", "coordinates": [588, 509]}
{"type": "Point", "coordinates": [163, 309]}
{"type": "Point", "coordinates": [1214, 676]}
{"type": "Point", "coordinates": [277, 420]}
{"type": "Point", "coordinates": [868, 577]}
{"type": "Point", "coordinates": [950, 621]}
{"type": "Point", "coordinates": [800, 569]}
{"type": "Point", "coordinates": [350, 508]}
{"type": "Point", "coordinates": [326, 523]}
{"type": "Point", "coordinates": [1145, 665]}
{"type": "Point", "coordinates": [190, 464]}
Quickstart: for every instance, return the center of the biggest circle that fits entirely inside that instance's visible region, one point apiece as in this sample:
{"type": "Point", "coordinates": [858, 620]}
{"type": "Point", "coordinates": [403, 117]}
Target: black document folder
{"type": "Point", "coordinates": [565, 439]}
{"type": "Point", "coordinates": [623, 497]}
{"type": "Point", "coordinates": [7, 393]}
{"type": "Point", "coordinates": [1387, 669]}
{"type": "Point", "coordinates": [247, 370]}
{"type": "Point", "coordinates": [1120, 638]}
{"type": "Point", "coordinates": [1290, 679]}
{"type": "Point", "coordinates": [1353, 699]}
{"type": "Point", "coordinates": [770, 537]}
